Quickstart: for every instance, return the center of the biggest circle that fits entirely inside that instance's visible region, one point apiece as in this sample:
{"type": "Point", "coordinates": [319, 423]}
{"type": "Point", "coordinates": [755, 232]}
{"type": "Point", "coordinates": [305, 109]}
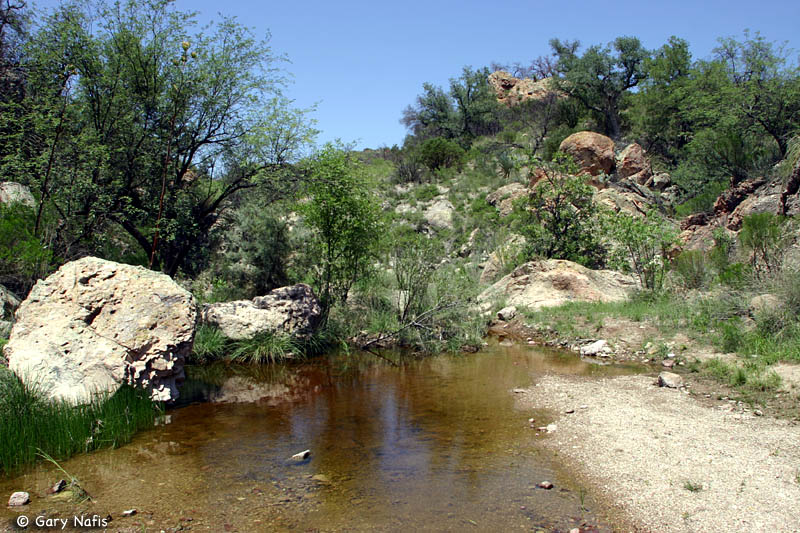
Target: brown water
{"type": "Point", "coordinates": [435, 444]}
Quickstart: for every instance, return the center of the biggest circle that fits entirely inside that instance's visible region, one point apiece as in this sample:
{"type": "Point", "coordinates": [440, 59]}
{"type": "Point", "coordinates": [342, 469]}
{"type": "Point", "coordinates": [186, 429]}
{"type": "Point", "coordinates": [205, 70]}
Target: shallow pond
{"type": "Point", "coordinates": [432, 444]}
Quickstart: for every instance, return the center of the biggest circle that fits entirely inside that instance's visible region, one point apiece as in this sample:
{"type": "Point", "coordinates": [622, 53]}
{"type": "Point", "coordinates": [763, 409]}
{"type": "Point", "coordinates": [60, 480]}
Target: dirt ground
{"type": "Point", "coordinates": [667, 462]}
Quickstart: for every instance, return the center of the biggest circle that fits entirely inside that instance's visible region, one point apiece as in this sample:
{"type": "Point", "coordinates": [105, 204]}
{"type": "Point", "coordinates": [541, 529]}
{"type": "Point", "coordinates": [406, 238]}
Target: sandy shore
{"type": "Point", "coordinates": [666, 462]}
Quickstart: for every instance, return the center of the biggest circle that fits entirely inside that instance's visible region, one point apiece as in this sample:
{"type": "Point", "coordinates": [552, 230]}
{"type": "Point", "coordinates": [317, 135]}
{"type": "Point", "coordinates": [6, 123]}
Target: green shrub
{"type": "Point", "coordinates": [440, 153]}
{"type": "Point", "coordinates": [765, 237]}
{"type": "Point", "coordinates": [426, 193]}
{"type": "Point", "coordinates": [646, 242]}
{"type": "Point", "coordinates": [560, 219]}
{"type": "Point", "coordinates": [24, 258]}
{"type": "Point", "coordinates": [692, 269]}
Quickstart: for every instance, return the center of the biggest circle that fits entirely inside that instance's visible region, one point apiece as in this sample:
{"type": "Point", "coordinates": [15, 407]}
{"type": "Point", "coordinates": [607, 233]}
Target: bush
{"type": "Point", "coordinates": [560, 219]}
{"type": "Point", "coordinates": [440, 153]}
{"type": "Point", "coordinates": [765, 238]}
{"type": "Point", "coordinates": [693, 269]}
{"type": "Point", "coordinates": [23, 257]}
{"type": "Point", "coordinates": [646, 242]}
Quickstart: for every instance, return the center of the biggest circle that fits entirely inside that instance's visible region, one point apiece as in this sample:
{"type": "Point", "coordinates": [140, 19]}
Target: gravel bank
{"type": "Point", "coordinates": [670, 464]}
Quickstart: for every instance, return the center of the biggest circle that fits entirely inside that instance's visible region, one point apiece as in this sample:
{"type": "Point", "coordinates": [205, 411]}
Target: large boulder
{"type": "Point", "coordinates": [592, 151]}
{"type": "Point", "coordinates": [94, 325]}
{"type": "Point", "coordinates": [12, 192]}
{"type": "Point", "coordinates": [633, 165]}
{"type": "Point", "coordinates": [292, 310]}
{"type": "Point", "coordinates": [552, 282]}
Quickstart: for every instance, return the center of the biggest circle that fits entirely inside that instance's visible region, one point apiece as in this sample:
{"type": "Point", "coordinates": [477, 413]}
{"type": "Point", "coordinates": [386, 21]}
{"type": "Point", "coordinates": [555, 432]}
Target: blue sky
{"type": "Point", "coordinates": [364, 61]}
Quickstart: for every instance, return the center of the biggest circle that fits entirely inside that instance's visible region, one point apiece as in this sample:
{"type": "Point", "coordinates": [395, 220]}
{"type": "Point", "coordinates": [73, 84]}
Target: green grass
{"type": "Point", "coordinates": [693, 487]}
{"type": "Point", "coordinates": [30, 424]}
{"type": "Point", "coordinates": [264, 348]}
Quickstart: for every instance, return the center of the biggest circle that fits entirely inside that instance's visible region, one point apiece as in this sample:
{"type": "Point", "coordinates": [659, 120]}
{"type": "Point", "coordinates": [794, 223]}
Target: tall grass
{"type": "Point", "coordinates": [29, 422]}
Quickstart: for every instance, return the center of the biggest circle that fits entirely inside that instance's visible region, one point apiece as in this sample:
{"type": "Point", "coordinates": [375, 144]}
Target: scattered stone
{"type": "Point", "coordinates": [671, 355]}
{"type": "Point", "coordinates": [598, 348]}
{"type": "Point", "coordinates": [129, 512]}
{"type": "Point", "coordinates": [758, 412]}
{"type": "Point", "coordinates": [584, 407]}
{"type": "Point", "coordinates": [668, 363]}
{"type": "Point", "coordinates": [518, 391]}
{"type": "Point", "coordinates": [669, 380]}
{"type": "Point", "coordinates": [507, 313]}
{"type": "Point", "coordinates": [546, 485]}
{"type": "Point", "coordinates": [321, 478]}
{"type": "Point", "coordinates": [551, 428]}
{"type": "Point", "coordinates": [302, 456]}
{"type": "Point", "coordinates": [569, 411]}
{"type": "Point", "coordinates": [58, 487]}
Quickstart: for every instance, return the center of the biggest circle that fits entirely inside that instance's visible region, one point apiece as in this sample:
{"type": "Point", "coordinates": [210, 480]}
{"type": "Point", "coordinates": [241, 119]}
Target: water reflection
{"type": "Point", "coordinates": [433, 444]}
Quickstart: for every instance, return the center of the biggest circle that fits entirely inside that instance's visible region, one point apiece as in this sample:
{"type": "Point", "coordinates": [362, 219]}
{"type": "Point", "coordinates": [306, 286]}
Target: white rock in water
{"type": "Point", "coordinates": [19, 499]}
{"type": "Point", "coordinates": [302, 456]}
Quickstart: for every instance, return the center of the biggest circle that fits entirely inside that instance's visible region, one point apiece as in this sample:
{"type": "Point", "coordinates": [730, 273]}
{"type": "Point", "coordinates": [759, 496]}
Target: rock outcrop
{"type": "Point", "coordinates": [511, 90]}
{"type": "Point", "coordinates": [553, 282]}
{"type": "Point", "coordinates": [439, 215]}
{"type": "Point", "coordinates": [11, 192]}
{"type": "Point", "coordinates": [503, 198]}
{"type": "Point", "coordinates": [94, 325]}
{"type": "Point", "coordinates": [292, 310]}
{"type": "Point", "coordinates": [593, 152]}
{"type": "Point", "coordinates": [633, 165]}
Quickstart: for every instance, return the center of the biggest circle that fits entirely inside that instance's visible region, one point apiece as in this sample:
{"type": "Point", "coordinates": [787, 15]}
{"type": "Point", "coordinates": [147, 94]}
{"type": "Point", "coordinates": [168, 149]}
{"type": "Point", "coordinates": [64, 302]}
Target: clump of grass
{"type": "Point", "coordinates": [266, 347]}
{"type": "Point", "coordinates": [209, 344]}
{"type": "Point", "coordinates": [29, 423]}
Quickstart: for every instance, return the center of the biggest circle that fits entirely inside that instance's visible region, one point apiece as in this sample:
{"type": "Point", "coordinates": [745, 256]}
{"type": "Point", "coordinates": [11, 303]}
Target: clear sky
{"type": "Point", "coordinates": [364, 61]}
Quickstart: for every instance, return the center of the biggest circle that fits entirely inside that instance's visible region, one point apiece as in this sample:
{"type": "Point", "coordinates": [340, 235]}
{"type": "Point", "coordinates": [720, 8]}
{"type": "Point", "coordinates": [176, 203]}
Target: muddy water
{"type": "Point", "coordinates": [435, 444]}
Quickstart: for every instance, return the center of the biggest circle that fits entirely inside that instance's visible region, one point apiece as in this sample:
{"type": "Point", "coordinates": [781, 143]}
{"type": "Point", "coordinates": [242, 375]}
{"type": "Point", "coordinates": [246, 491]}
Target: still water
{"type": "Point", "coordinates": [434, 444]}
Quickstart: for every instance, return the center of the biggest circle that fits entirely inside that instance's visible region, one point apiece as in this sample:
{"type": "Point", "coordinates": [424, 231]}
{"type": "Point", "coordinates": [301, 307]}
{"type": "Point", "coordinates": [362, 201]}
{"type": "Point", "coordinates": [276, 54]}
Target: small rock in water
{"type": "Point", "coordinates": [669, 380]}
{"type": "Point", "coordinates": [321, 478]}
{"type": "Point", "coordinates": [302, 456]}
{"type": "Point", "coordinates": [129, 512]}
{"type": "Point", "coordinates": [546, 485]}
{"type": "Point", "coordinates": [519, 391]}
{"type": "Point", "coordinates": [18, 499]}
{"type": "Point", "coordinates": [58, 487]}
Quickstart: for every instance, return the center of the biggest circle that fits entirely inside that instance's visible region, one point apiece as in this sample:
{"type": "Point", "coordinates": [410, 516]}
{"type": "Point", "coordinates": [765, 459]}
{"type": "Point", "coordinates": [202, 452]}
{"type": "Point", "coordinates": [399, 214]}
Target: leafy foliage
{"type": "Point", "coordinates": [646, 242]}
{"type": "Point", "coordinates": [559, 219]}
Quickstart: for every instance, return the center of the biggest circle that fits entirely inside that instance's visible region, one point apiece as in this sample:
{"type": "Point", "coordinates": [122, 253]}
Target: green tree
{"type": "Point", "coordinates": [439, 153]}
{"type": "Point", "coordinates": [601, 76]}
{"type": "Point", "coordinates": [344, 218]}
{"type": "Point", "coordinates": [137, 121]}
{"type": "Point", "coordinates": [645, 242]}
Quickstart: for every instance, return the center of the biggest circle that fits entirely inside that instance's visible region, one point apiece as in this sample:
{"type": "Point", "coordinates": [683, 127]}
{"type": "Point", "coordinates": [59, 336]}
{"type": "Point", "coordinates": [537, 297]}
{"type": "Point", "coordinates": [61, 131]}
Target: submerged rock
{"type": "Point", "coordinates": [94, 325]}
{"type": "Point", "coordinates": [291, 310]}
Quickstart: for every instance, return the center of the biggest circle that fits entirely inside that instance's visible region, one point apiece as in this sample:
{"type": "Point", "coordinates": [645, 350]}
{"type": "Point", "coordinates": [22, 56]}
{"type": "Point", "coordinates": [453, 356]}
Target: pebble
{"type": "Point", "coordinates": [519, 391]}
{"type": "Point", "coordinates": [569, 411]}
{"type": "Point", "coordinates": [546, 485]}
{"type": "Point", "coordinates": [129, 512]}
{"type": "Point", "coordinates": [551, 428]}
{"type": "Point", "coordinates": [758, 412]}
{"type": "Point", "coordinates": [667, 363]}
{"type": "Point", "coordinates": [19, 499]}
